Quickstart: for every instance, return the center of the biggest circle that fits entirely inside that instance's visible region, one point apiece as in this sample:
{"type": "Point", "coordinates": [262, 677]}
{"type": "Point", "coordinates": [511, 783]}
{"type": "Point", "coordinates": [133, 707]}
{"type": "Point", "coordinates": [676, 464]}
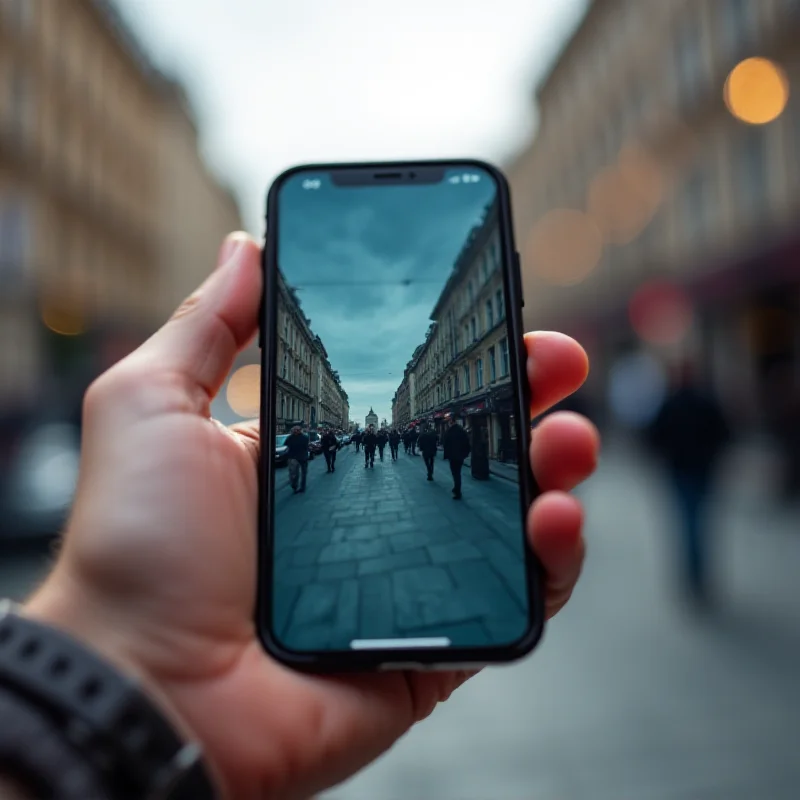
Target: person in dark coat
{"type": "Point", "coordinates": [370, 442]}
{"type": "Point", "coordinates": [406, 439]}
{"type": "Point", "coordinates": [456, 448]}
{"type": "Point", "coordinates": [689, 434]}
{"type": "Point", "coordinates": [357, 440]}
{"type": "Point", "coordinates": [330, 446]}
{"type": "Point", "coordinates": [427, 446]}
{"type": "Point", "coordinates": [394, 443]}
{"type": "Point", "coordinates": [412, 440]}
{"type": "Point", "coordinates": [297, 454]}
{"type": "Point", "coordinates": [383, 438]}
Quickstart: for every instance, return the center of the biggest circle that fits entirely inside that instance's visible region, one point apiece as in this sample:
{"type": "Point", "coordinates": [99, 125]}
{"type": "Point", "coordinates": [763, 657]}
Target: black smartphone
{"type": "Point", "coordinates": [395, 475]}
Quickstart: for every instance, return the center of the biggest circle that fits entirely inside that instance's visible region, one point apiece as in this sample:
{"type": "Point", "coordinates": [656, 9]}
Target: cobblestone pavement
{"type": "Point", "coordinates": [382, 553]}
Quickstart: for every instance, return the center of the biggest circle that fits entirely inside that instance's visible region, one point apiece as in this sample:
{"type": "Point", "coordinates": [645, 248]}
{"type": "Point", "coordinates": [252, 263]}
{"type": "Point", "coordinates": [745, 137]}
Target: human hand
{"type": "Point", "coordinates": [158, 566]}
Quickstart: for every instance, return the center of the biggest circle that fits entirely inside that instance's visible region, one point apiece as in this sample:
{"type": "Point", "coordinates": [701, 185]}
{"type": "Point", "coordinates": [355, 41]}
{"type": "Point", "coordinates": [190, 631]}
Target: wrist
{"type": "Point", "coordinates": [66, 603]}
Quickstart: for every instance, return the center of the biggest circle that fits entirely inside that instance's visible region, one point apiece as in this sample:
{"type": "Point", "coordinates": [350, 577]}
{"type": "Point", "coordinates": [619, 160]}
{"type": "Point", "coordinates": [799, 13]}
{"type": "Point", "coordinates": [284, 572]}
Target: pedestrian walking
{"type": "Point", "coordinates": [690, 433]}
{"type": "Point", "coordinates": [297, 451]}
{"type": "Point", "coordinates": [383, 438]}
{"type": "Point", "coordinates": [428, 444]}
{"type": "Point", "coordinates": [394, 443]}
{"type": "Point", "coordinates": [456, 449]}
{"type": "Point", "coordinates": [412, 440]}
{"type": "Point", "coordinates": [330, 446]}
{"type": "Point", "coordinates": [370, 441]}
{"type": "Point", "coordinates": [357, 440]}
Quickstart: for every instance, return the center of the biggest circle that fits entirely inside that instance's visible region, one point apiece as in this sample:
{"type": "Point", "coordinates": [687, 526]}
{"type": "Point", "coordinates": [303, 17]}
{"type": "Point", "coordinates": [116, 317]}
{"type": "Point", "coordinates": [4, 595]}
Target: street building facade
{"type": "Point", "coordinates": [309, 391]}
{"type": "Point", "coordinates": [462, 369]}
{"type": "Point", "coordinates": [656, 205]}
{"type": "Point", "coordinates": [108, 215]}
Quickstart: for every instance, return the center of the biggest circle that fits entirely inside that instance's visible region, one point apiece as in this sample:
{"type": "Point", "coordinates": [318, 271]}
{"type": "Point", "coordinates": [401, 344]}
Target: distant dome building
{"type": "Point", "coordinates": [371, 418]}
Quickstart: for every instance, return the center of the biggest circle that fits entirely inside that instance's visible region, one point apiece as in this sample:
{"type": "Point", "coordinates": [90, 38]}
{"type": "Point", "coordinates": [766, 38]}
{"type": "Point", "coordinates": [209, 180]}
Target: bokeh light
{"type": "Point", "coordinates": [756, 91]}
{"type": "Point", "coordinates": [564, 247]}
{"type": "Point", "coordinates": [623, 199]}
{"type": "Point", "coordinates": [62, 319]}
{"type": "Point", "coordinates": [660, 313]}
{"type": "Point", "coordinates": [244, 391]}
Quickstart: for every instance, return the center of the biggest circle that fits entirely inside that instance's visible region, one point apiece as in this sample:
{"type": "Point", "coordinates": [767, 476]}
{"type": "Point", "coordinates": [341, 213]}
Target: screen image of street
{"type": "Point", "coordinates": [397, 518]}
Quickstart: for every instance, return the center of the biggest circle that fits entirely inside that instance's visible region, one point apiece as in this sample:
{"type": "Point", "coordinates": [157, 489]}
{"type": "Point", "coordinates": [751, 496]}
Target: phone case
{"type": "Point", "coordinates": [395, 659]}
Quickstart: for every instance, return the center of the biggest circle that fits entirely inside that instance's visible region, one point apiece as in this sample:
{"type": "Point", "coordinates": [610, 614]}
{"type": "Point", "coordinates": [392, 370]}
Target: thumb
{"type": "Point", "coordinates": [203, 337]}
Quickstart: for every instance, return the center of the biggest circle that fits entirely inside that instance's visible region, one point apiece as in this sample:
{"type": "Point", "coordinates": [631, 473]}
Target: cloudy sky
{"type": "Point", "coordinates": [369, 264]}
{"type": "Point", "coordinates": [282, 82]}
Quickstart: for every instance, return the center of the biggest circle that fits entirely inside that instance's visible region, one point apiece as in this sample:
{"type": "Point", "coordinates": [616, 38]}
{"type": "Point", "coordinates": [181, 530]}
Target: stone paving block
{"type": "Point", "coordinates": [398, 526]}
{"type": "Point", "coordinates": [509, 565]}
{"type": "Point", "coordinates": [488, 591]}
{"type": "Point", "coordinates": [338, 571]}
{"type": "Point", "coordinates": [316, 604]}
{"type": "Point", "coordinates": [356, 533]}
{"type": "Point", "coordinates": [283, 601]}
{"type": "Point", "coordinates": [296, 576]}
{"type": "Point", "coordinates": [350, 551]}
{"type": "Point", "coordinates": [345, 625]}
{"type": "Point", "coordinates": [425, 597]}
{"type": "Point", "coordinates": [400, 542]}
{"type": "Point", "coordinates": [312, 536]}
{"type": "Point", "coordinates": [309, 637]}
{"type": "Point", "coordinates": [307, 555]}
{"type": "Point", "coordinates": [394, 561]}
{"type": "Point", "coordinates": [455, 551]}
{"type": "Point", "coordinates": [377, 609]}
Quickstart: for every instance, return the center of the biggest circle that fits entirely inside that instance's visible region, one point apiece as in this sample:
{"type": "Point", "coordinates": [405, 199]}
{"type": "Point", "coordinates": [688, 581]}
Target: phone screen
{"type": "Point", "coordinates": [397, 511]}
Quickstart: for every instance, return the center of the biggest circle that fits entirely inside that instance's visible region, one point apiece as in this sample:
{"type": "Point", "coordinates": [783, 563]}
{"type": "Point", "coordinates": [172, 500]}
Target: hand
{"type": "Point", "coordinates": [157, 569]}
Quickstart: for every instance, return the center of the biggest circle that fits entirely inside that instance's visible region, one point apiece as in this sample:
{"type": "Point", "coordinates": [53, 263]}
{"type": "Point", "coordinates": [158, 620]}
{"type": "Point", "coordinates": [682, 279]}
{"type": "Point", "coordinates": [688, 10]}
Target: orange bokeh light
{"type": "Point", "coordinates": [756, 91]}
{"type": "Point", "coordinates": [244, 391]}
{"type": "Point", "coordinates": [564, 247]}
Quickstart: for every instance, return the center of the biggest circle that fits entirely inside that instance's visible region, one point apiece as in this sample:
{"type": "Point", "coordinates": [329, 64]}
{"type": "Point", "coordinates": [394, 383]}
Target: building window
{"type": "Point", "coordinates": [501, 310]}
{"type": "Point", "coordinates": [485, 266]}
{"type": "Point", "coordinates": [283, 407]}
{"type": "Point", "coordinates": [479, 374]}
{"type": "Point", "coordinates": [492, 365]}
{"type": "Point", "coordinates": [473, 325]}
{"type": "Point", "coordinates": [471, 292]}
{"type": "Point", "coordinates": [489, 315]}
{"type": "Point", "coordinates": [504, 365]}
{"type": "Point", "coordinates": [467, 382]}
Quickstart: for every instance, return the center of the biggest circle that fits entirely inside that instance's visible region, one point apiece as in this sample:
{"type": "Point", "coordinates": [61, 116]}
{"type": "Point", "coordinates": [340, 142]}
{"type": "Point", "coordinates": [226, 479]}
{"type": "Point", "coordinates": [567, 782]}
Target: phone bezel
{"type": "Point", "coordinates": [446, 658]}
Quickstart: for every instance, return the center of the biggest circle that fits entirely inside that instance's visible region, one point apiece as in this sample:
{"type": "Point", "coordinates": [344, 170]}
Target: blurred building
{"type": "Point", "coordinates": [108, 215]}
{"type": "Point", "coordinates": [462, 369]}
{"type": "Point", "coordinates": [308, 388]}
{"type": "Point", "coordinates": [656, 206]}
{"type": "Point", "coordinates": [371, 419]}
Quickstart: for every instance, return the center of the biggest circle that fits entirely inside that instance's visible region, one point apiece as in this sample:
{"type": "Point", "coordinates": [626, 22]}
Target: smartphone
{"type": "Point", "coordinates": [395, 477]}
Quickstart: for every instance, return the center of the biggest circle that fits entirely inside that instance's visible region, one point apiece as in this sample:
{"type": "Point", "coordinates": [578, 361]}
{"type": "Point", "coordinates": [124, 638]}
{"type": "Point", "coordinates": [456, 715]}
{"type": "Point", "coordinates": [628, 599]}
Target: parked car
{"type": "Point", "coordinates": [281, 450]}
{"type": "Point", "coordinates": [314, 444]}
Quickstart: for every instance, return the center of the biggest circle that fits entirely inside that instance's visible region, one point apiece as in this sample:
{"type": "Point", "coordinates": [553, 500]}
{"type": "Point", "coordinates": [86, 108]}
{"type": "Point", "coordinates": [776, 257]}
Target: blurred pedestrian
{"type": "Point", "coordinates": [383, 438]}
{"type": "Point", "coordinates": [456, 449]}
{"type": "Point", "coordinates": [330, 446]}
{"type": "Point", "coordinates": [427, 446]}
{"type": "Point", "coordinates": [297, 452]}
{"type": "Point", "coordinates": [370, 442]}
{"type": "Point", "coordinates": [394, 443]}
{"type": "Point", "coordinates": [689, 434]}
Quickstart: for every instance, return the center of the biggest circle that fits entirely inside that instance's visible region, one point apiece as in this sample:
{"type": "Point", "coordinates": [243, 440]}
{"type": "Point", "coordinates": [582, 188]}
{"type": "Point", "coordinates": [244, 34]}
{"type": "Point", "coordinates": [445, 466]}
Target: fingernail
{"type": "Point", "coordinates": [231, 248]}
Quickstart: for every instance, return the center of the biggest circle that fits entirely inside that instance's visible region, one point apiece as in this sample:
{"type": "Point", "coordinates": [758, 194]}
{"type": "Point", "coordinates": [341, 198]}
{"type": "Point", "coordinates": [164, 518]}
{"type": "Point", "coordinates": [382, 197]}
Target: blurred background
{"type": "Point", "coordinates": [653, 148]}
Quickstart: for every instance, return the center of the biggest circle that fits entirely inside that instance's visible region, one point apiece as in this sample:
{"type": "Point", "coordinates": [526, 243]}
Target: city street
{"type": "Point", "coordinates": [382, 553]}
{"type": "Point", "coordinates": [630, 696]}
